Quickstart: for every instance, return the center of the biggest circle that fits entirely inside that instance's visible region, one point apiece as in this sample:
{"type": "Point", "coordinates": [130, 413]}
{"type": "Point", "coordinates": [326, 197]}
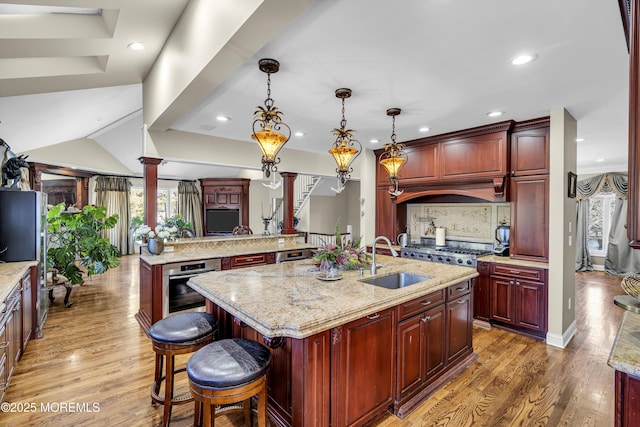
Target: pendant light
{"type": "Point", "coordinates": [393, 157]}
{"type": "Point", "coordinates": [268, 124]}
{"type": "Point", "coordinates": [343, 149]}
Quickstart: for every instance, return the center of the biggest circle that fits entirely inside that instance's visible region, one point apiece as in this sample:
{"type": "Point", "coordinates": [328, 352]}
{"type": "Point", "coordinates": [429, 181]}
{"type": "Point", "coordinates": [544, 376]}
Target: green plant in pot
{"type": "Point", "coordinates": [76, 244]}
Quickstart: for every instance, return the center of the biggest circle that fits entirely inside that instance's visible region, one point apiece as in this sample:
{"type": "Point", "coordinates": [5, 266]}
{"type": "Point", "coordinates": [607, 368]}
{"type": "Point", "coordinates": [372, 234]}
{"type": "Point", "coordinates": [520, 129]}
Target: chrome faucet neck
{"type": "Point", "coordinates": [373, 252]}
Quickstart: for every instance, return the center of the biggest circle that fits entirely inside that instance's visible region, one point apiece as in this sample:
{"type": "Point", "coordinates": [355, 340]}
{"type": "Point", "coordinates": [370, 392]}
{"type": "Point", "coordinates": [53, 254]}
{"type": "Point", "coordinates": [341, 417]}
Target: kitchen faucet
{"type": "Point", "coordinates": [373, 252]}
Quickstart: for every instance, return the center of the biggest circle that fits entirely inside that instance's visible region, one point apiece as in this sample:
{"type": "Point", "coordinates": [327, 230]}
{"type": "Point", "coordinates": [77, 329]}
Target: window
{"type": "Point", "coordinates": [167, 202]}
{"type": "Point", "coordinates": [601, 209]}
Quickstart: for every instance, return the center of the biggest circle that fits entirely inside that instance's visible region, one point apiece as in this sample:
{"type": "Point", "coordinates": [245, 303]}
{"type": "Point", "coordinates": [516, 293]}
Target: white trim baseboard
{"type": "Point", "coordinates": [562, 341]}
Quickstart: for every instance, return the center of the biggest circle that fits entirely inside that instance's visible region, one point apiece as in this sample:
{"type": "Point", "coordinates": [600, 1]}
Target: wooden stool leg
{"type": "Point", "coordinates": [168, 390]}
{"type": "Point", "coordinates": [208, 414]}
{"type": "Point", "coordinates": [247, 412]}
{"type": "Point", "coordinates": [158, 374]}
{"type": "Point", "coordinates": [197, 418]}
{"type": "Point", "coordinates": [262, 407]}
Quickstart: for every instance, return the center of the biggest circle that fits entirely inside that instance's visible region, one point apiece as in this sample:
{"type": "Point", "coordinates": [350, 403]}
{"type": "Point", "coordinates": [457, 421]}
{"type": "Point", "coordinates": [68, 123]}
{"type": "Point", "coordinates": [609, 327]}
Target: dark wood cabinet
{"type": "Point", "coordinates": [530, 218]}
{"type": "Point", "coordinates": [627, 399]}
{"type": "Point", "coordinates": [421, 342]}
{"type": "Point", "coordinates": [530, 152]}
{"type": "Point", "coordinates": [473, 158]}
{"type": "Point", "coordinates": [225, 194]}
{"type": "Point", "coordinates": [459, 327]}
{"type": "Point", "coordinates": [360, 394]}
{"type": "Point", "coordinates": [481, 294]}
{"type": "Point", "coordinates": [385, 214]}
{"type": "Point", "coordinates": [13, 331]}
{"type": "Point", "coordinates": [519, 298]}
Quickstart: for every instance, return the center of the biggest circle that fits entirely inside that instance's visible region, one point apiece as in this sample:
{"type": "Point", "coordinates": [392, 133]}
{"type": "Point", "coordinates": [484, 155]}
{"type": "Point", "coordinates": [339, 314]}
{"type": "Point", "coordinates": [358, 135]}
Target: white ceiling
{"type": "Point", "coordinates": [444, 62]}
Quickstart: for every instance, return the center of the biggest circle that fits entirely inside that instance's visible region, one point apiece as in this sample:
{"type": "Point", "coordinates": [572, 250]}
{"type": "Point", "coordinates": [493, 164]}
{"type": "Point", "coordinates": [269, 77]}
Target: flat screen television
{"type": "Point", "coordinates": [222, 220]}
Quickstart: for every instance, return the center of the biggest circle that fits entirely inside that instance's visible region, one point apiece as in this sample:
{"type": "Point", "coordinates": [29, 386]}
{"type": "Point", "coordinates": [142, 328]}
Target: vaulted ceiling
{"type": "Point", "coordinates": [69, 82]}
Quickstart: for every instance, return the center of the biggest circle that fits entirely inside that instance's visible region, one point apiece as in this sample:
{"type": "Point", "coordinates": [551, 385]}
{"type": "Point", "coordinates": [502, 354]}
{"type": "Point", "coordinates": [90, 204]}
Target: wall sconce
{"type": "Point", "coordinates": [393, 157]}
{"type": "Point", "coordinates": [268, 123]}
{"type": "Point", "coordinates": [343, 150]}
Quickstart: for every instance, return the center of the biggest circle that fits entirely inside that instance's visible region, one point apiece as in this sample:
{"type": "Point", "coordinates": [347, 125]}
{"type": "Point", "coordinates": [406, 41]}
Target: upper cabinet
{"type": "Point", "coordinates": [225, 194]}
{"type": "Point", "coordinates": [530, 152]}
{"type": "Point", "coordinates": [473, 158]}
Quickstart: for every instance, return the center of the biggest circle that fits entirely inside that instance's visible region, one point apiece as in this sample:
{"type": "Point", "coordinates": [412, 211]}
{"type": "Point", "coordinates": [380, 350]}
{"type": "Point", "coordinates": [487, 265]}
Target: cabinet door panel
{"type": "Point", "coordinates": [530, 152]}
{"type": "Point", "coordinates": [458, 327]}
{"type": "Point", "coordinates": [363, 368]}
{"type": "Point", "coordinates": [385, 214]}
{"type": "Point", "coordinates": [421, 164]}
{"type": "Point", "coordinates": [474, 157]}
{"type": "Point", "coordinates": [481, 300]}
{"type": "Point", "coordinates": [529, 218]}
{"type": "Point", "coordinates": [410, 354]}
{"type": "Point", "coordinates": [531, 305]}
{"type": "Point", "coordinates": [502, 299]}
{"type": "Point", "coordinates": [27, 309]}
{"type": "Point", "coordinates": [435, 332]}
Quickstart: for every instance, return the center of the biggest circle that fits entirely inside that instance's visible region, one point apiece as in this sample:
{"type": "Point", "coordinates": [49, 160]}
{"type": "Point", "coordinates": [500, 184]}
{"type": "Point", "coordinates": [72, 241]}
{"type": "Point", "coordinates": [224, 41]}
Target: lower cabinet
{"type": "Point", "coordinates": [431, 341]}
{"type": "Point", "coordinates": [363, 368]}
{"type": "Point", "coordinates": [627, 399]}
{"type": "Point", "coordinates": [481, 294]}
{"type": "Point", "coordinates": [519, 298]}
{"type": "Point", "coordinates": [241, 261]}
{"type": "Point", "coordinates": [10, 336]}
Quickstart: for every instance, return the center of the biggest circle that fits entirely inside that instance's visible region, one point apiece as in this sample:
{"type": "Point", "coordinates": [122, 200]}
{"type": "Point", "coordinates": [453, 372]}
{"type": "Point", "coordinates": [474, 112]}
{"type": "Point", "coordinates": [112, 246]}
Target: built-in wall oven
{"type": "Point", "coordinates": [176, 294]}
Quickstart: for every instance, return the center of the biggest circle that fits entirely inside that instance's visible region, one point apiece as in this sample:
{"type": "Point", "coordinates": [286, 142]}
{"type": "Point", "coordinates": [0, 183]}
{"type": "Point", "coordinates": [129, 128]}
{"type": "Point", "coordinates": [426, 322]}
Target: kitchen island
{"type": "Point", "coordinates": [345, 351]}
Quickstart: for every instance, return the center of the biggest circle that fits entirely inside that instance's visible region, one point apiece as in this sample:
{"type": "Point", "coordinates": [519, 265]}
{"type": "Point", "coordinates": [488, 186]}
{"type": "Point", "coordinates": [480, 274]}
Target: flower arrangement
{"type": "Point", "coordinates": [161, 232]}
{"type": "Point", "coordinates": [345, 254]}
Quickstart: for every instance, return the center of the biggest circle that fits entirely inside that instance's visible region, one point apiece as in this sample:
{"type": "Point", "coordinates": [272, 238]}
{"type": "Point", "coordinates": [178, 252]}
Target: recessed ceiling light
{"type": "Point", "coordinates": [424, 129]}
{"type": "Point", "coordinates": [581, 139]}
{"type": "Point", "coordinates": [299, 134]}
{"type": "Point", "coordinates": [494, 113]}
{"type": "Point", "coordinates": [136, 46]}
{"type": "Point", "coordinates": [600, 160]}
{"type": "Point", "coordinates": [524, 58]}
{"type": "Point", "coordinates": [374, 141]}
{"type": "Point", "coordinates": [223, 118]}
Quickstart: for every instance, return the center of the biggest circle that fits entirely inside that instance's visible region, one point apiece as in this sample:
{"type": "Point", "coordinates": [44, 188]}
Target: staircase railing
{"type": "Point", "coordinates": [302, 190]}
{"type": "Point", "coordinates": [320, 239]}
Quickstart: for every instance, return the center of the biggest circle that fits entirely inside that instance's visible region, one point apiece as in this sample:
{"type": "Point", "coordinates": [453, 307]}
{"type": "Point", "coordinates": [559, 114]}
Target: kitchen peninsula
{"type": "Point", "coordinates": [345, 351]}
{"type": "Point", "coordinates": [195, 255]}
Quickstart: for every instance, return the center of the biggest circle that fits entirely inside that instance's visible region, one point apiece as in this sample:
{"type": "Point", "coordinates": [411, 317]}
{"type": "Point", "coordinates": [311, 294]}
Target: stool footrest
{"type": "Point", "coordinates": [176, 400]}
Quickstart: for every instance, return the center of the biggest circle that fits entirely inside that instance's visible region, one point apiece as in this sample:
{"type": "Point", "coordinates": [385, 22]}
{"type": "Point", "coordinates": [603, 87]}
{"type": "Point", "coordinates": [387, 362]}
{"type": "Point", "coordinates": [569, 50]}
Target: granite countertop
{"type": "Point", "coordinates": [625, 353]}
{"type": "Point", "coordinates": [218, 252]}
{"type": "Point", "coordinates": [510, 261]}
{"type": "Point", "coordinates": [289, 300]}
{"type": "Point", "coordinates": [10, 275]}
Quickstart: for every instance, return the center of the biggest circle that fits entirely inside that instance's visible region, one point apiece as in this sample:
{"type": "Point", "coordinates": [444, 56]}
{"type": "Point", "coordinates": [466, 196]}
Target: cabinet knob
{"type": "Point", "coordinates": [425, 319]}
{"type": "Point", "coordinates": [427, 302]}
{"type": "Point", "coordinates": [513, 173]}
{"type": "Point", "coordinates": [460, 301]}
{"type": "Point", "coordinates": [373, 316]}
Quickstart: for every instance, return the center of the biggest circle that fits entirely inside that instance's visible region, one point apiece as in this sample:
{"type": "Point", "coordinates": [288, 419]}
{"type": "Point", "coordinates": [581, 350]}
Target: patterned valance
{"type": "Point", "coordinates": [606, 183]}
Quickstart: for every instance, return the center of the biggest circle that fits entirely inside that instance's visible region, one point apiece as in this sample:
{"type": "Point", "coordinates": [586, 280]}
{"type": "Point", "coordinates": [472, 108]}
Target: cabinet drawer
{"type": "Point", "coordinates": [417, 305]}
{"type": "Point", "coordinates": [457, 290]}
{"type": "Point", "coordinates": [247, 260]}
{"type": "Point", "coordinates": [531, 273]}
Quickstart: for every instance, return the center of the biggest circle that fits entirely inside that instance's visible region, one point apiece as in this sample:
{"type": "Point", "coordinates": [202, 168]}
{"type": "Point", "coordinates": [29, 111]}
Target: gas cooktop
{"type": "Point", "coordinates": [463, 253]}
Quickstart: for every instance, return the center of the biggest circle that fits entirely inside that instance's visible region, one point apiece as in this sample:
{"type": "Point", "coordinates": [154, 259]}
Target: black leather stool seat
{"type": "Point", "coordinates": [183, 328]}
{"type": "Point", "coordinates": [228, 363]}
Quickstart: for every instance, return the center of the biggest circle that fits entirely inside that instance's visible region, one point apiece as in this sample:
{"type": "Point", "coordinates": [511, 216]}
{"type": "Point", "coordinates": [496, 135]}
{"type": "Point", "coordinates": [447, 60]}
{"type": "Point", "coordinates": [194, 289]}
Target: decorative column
{"type": "Point", "coordinates": [288, 180]}
{"type": "Point", "coordinates": [633, 40]}
{"type": "Point", "coordinates": [150, 189]}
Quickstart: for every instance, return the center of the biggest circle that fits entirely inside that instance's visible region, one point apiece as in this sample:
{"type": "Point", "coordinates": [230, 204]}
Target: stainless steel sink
{"type": "Point", "coordinates": [396, 280]}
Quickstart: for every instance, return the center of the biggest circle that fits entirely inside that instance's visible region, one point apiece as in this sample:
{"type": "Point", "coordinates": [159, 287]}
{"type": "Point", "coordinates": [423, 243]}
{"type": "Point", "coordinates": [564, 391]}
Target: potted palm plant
{"type": "Point", "coordinates": [76, 244]}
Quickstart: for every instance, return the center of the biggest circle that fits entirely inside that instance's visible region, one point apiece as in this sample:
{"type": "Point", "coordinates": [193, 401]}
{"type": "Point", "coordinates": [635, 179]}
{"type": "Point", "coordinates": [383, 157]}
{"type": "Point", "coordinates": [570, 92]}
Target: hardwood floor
{"type": "Point", "coordinates": [96, 353]}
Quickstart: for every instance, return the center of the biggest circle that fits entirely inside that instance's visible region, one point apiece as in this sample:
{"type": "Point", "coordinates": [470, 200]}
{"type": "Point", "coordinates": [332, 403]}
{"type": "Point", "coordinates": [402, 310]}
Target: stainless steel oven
{"type": "Point", "coordinates": [292, 255]}
{"type": "Point", "coordinates": [177, 295]}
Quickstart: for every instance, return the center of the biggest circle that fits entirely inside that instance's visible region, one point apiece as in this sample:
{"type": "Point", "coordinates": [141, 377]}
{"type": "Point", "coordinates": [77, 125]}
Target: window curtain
{"type": "Point", "coordinates": [621, 259]}
{"type": "Point", "coordinates": [113, 193]}
{"type": "Point", "coordinates": [190, 205]}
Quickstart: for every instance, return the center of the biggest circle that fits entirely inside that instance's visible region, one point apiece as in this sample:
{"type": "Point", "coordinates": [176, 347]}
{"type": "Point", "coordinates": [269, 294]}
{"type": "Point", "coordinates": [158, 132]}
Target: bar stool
{"type": "Point", "coordinates": [229, 371]}
{"type": "Point", "coordinates": [177, 334]}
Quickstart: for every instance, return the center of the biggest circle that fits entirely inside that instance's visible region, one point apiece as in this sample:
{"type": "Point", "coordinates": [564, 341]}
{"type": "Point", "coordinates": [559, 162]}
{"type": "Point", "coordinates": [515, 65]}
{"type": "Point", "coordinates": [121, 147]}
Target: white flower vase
{"type": "Point", "coordinates": [155, 246]}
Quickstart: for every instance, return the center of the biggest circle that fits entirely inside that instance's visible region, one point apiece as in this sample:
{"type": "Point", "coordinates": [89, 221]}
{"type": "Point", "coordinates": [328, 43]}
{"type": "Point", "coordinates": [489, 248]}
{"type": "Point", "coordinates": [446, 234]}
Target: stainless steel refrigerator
{"type": "Point", "coordinates": [23, 237]}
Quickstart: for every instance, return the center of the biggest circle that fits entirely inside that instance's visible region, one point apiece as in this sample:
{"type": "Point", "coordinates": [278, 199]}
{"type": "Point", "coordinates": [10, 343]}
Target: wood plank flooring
{"type": "Point", "coordinates": [95, 352]}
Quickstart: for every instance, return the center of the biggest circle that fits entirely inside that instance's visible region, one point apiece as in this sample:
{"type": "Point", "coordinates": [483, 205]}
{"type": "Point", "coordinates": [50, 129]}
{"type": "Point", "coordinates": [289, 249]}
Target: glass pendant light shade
{"type": "Point", "coordinates": [393, 157]}
{"type": "Point", "coordinates": [268, 126]}
{"type": "Point", "coordinates": [344, 149]}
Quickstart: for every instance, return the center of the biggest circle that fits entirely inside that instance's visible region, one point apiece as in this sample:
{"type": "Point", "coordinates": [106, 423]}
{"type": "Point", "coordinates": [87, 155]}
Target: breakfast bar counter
{"type": "Point", "coordinates": [345, 351]}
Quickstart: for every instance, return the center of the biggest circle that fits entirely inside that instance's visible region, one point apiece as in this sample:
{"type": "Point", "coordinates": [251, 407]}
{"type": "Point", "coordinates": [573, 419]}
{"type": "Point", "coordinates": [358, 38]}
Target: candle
{"type": "Point", "coordinates": [440, 236]}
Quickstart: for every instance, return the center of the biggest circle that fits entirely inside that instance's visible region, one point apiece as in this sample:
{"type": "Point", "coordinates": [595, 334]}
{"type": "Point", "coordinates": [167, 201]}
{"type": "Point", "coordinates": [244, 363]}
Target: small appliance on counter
{"type": "Point", "coordinates": [502, 236]}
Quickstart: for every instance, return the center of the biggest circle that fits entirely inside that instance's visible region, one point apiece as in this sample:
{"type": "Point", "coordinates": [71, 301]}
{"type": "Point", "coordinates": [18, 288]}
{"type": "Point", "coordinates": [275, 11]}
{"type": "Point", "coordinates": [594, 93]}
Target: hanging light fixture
{"type": "Point", "coordinates": [393, 156]}
{"type": "Point", "coordinates": [343, 149]}
{"type": "Point", "coordinates": [268, 123]}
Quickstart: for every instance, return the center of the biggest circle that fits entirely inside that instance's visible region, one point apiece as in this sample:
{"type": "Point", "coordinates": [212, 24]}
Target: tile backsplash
{"type": "Point", "coordinates": [461, 221]}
